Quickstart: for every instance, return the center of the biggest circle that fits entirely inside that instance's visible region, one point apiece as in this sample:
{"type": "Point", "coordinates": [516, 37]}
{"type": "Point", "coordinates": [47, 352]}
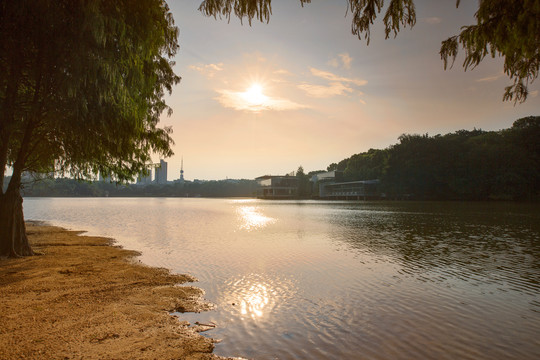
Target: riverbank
{"type": "Point", "coordinates": [85, 298]}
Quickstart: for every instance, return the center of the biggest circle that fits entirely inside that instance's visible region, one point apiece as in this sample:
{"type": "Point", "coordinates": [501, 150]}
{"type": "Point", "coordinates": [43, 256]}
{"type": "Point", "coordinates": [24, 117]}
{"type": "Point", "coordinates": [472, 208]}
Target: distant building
{"type": "Point", "coordinates": [277, 187]}
{"type": "Point", "coordinates": [332, 187]}
{"type": "Point", "coordinates": [351, 190]}
{"type": "Point", "coordinates": [161, 173]}
{"type": "Point", "coordinates": [145, 177]}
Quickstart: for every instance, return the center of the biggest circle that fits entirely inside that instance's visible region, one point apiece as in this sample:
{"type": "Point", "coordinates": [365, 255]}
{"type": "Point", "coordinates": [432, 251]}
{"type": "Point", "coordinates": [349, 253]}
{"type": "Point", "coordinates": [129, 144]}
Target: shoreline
{"type": "Point", "coordinates": [84, 297]}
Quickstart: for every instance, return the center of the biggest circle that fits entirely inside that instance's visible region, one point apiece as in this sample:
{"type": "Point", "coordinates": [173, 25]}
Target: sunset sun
{"type": "Point", "coordinates": [254, 99]}
{"type": "Point", "coordinates": [254, 95]}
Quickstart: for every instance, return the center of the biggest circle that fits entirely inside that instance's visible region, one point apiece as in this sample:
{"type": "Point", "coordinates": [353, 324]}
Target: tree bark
{"type": "Point", "coordinates": [13, 239]}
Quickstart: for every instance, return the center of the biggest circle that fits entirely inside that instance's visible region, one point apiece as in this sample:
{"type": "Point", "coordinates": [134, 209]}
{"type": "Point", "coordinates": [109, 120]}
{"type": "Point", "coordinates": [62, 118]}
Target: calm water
{"type": "Point", "coordinates": [340, 280]}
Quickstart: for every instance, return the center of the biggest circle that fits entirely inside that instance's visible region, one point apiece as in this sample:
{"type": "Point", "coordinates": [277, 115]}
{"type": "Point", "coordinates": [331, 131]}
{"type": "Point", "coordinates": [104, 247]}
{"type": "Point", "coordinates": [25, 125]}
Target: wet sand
{"type": "Point", "coordinates": [84, 298]}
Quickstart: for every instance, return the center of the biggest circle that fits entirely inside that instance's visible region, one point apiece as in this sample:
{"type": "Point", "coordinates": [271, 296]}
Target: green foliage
{"type": "Point", "coordinates": [464, 165]}
{"type": "Point", "coordinates": [506, 28]}
{"type": "Point", "coordinates": [64, 187]}
{"type": "Point", "coordinates": [82, 85]}
{"type": "Point", "coordinates": [304, 186]}
{"type": "Point", "coordinates": [368, 165]}
{"type": "Point", "coordinates": [250, 9]}
{"type": "Point", "coordinates": [341, 166]}
{"type": "Point", "coordinates": [364, 12]}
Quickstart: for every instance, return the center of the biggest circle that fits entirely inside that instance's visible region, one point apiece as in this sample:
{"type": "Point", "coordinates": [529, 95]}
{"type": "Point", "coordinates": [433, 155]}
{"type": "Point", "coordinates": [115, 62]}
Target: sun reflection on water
{"type": "Point", "coordinates": [255, 300]}
{"type": "Point", "coordinates": [256, 296]}
{"type": "Point", "coordinates": [252, 218]}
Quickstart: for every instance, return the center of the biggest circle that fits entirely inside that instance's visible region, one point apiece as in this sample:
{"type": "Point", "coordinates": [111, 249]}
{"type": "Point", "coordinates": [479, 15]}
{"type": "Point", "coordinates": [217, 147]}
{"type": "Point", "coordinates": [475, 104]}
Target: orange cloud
{"type": "Point", "coordinates": [323, 91]}
{"type": "Point", "coordinates": [208, 70]}
{"type": "Point", "coordinates": [336, 78]}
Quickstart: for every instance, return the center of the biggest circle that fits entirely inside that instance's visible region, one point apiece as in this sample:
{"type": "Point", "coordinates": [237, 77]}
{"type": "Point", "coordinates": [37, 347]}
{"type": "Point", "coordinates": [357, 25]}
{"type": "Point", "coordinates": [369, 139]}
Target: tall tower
{"type": "Point", "coordinates": [182, 170]}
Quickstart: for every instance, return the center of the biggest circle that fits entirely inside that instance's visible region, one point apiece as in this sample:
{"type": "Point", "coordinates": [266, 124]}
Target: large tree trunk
{"type": "Point", "coordinates": [13, 239]}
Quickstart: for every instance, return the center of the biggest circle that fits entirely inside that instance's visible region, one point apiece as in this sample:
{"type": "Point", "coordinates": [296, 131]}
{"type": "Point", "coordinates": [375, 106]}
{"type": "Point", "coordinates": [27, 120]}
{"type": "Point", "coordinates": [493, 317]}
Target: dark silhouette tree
{"type": "Point", "coordinates": [304, 187]}
{"type": "Point", "coordinates": [506, 28]}
{"type": "Point", "coordinates": [81, 91]}
{"type": "Point", "coordinates": [464, 165]}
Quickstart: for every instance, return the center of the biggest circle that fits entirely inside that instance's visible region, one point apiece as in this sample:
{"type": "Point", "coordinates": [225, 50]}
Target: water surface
{"type": "Point", "coordinates": [339, 280]}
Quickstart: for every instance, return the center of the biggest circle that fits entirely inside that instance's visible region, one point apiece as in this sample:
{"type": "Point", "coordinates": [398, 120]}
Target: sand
{"type": "Point", "coordinates": [84, 298]}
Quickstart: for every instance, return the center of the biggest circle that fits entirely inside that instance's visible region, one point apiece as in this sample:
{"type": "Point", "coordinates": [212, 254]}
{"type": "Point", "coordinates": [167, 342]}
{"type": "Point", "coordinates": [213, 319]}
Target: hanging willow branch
{"type": "Point", "coordinates": [506, 28]}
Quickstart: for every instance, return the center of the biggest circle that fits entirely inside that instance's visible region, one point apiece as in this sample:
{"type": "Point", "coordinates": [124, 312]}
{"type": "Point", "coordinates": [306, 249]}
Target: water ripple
{"type": "Point", "coordinates": [340, 280]}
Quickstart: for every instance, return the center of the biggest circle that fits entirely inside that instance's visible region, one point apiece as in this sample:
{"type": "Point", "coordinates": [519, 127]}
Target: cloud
{"type": "Point", "coordinates": [333, 62]}
{"type": "Point", "coordinates": [337, 85]}
{"type": "Point", "coordinates": [239, 100]}
{"type": "Point", "coordinates": [346, 59]}
{"type": "Point", "coordinates": [323, 91]}
{"type": "Point", "coordinates": [491, 78]}
{"type": "Point", "coordinates": [208, 70]}
{"type": "Point", "coordinates": [283, 72]}
{"type": "Point", "coordinates": [336, 78]}
{"type": "Point", "coordinates": [433, 20]}
{"type": "Point", "coordinates": [533, 94]}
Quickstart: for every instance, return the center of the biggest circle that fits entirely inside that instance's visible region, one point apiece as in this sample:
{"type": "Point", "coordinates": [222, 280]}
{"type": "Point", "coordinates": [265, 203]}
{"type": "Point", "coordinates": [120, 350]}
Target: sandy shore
{"type": "Point", "coordinates": [85, 299]}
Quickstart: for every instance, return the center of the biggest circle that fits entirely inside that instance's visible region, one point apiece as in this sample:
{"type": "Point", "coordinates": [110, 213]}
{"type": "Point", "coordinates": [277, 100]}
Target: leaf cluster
{"type": "Point", "coordinates": [250, 9]}
{"type": "Point", "coordinates": [506, 28]}
{"type": "Point", "coordinates": [82, 84]}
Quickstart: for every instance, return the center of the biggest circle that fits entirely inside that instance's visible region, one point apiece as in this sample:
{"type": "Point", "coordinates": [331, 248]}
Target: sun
{"type": "Point", "coordinates": [254, 95]}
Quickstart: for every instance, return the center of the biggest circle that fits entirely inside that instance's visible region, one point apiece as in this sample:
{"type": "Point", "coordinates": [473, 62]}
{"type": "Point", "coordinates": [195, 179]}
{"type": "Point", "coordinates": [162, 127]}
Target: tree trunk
{"type": "Point", "coordinates": [13, 239]}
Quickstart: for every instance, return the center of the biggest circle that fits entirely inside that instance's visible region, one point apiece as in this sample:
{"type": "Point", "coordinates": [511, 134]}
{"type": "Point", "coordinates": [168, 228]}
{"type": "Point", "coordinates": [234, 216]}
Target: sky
{"type": "Point", "coordinates": [303, 91]}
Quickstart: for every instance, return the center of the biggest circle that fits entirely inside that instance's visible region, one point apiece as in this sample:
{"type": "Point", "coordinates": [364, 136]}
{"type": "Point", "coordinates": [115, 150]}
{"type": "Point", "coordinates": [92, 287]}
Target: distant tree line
{"type": "Point", "coordinates": [464, 165]}
{"type": "Point", "coordinates": [65, 187]}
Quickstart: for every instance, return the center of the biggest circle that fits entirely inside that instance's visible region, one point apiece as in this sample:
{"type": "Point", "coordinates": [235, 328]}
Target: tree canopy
{"type": "Point", "coordinates": [81, 90]}
{"type": "Point", "coordinates": [463, 165]}
{"type": "Point", "coordinates": [506, 28]}
{"type": "Point", "coordinates": [82, 83]}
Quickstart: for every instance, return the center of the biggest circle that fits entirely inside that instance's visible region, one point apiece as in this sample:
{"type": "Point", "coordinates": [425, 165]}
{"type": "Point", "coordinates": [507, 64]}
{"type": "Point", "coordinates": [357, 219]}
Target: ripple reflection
{"type": "Point", "coordinates": [256, 296]}
{"type": "Point", "coordinates": [252, 218]}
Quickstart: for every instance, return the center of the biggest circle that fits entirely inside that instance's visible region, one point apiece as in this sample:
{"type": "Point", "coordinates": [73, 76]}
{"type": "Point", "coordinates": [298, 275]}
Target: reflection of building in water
{"type": "Point", "coordinates": [332, 186]}
{"type": "Point", "coordinates": [277, 187]}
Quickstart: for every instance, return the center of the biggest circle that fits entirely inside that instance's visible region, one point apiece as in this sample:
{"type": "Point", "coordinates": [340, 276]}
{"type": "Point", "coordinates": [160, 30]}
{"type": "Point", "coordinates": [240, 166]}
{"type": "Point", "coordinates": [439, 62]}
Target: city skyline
{"type": "Point", "coordinates": [303, 91]}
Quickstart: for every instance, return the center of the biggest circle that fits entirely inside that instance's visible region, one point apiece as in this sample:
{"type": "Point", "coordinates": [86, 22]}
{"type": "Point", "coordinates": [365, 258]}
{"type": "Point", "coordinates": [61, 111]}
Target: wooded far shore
{"type": "Point", "coordinates": [464, 165]}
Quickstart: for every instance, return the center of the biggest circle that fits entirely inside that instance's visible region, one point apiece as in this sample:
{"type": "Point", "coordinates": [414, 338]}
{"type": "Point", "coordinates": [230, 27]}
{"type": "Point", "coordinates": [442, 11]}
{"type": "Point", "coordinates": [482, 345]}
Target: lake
{"type": "Point", "coordinates": [339, 280]}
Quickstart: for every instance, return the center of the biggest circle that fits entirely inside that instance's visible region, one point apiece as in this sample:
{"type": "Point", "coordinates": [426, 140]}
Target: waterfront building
{"type": "Point", "coordinates": [351, 190]}
{"type": "Point", "coordinates": [277, 187]}
{"type": "Point", "coordinates": [332, 187]}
